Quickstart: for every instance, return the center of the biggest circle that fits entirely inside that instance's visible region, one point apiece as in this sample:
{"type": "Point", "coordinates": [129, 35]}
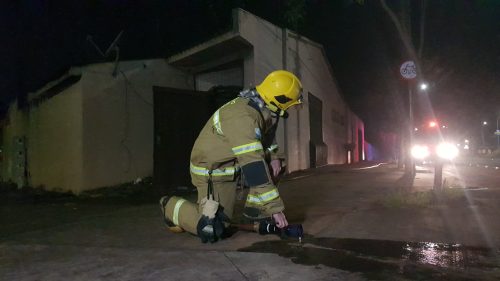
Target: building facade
{"type": "Point", "coordinates": [94, 126]}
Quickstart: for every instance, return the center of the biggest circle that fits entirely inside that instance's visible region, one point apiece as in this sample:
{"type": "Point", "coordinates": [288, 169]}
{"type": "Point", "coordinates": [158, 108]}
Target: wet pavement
{"type": "Point", "coordinates": [390, 260]}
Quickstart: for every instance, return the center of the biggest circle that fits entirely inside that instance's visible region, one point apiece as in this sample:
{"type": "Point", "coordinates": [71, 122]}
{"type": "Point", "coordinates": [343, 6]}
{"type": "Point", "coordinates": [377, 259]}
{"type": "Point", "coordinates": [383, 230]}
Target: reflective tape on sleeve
{"type": "Point", "coordinates": [249, 147]}
{"type": "Point", "coordinates": [229, 171]}
{"type": "Point", "coordinates": [261, 199]}
{"type": "Point", "coordinates": [216, 117]}
{"type": "Point", "coordinates": [177, 207]}
{"type": "Point", "coordinates": [217, 125]}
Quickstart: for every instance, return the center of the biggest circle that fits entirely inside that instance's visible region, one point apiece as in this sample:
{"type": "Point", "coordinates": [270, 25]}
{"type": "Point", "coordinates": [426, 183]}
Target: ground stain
{"type": "Point", "coordinates": [390, 260]}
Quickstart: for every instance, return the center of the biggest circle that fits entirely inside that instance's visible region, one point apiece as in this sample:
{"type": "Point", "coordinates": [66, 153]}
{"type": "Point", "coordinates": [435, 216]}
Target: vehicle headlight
{"type": "Point", "coordinates": [447, 151]}
{"type": "Point", "coordinates": [420, 151]}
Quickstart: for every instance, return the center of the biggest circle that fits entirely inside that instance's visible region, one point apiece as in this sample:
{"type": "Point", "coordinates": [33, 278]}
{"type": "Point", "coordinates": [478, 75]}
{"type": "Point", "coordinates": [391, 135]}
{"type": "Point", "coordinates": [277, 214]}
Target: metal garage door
{"type": "Point", "coordinates": [179, 116]}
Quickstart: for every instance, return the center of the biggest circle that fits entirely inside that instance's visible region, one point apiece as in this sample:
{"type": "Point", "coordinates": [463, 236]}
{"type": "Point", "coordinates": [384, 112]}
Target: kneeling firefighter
{"type": "Point", "coordinates": [237, 141]}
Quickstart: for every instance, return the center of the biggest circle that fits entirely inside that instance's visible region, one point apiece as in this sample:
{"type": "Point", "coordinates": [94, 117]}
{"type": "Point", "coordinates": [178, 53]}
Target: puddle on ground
{"type": "Point", "coordinates": [390, 260]}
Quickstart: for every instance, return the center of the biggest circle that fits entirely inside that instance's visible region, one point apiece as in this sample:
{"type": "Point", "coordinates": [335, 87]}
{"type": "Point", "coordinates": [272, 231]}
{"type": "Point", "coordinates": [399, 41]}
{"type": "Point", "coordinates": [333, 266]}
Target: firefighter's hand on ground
{"type": "Point", "coordinates": [280, 220]}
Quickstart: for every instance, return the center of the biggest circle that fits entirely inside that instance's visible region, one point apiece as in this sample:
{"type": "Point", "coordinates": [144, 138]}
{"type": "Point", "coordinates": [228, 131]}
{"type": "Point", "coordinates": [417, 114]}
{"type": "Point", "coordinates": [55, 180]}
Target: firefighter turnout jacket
{"type": "Point", "coordinates": [239, 140]}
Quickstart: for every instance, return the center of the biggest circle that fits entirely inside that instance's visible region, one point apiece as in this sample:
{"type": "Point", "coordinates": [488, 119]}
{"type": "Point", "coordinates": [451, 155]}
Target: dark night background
{"type": "Point", "coordinates": [460, 55]}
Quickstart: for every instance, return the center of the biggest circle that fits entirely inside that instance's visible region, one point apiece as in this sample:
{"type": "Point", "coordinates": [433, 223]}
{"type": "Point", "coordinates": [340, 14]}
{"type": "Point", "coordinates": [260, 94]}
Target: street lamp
{"type": "Point", "coordinates": [423, 86]}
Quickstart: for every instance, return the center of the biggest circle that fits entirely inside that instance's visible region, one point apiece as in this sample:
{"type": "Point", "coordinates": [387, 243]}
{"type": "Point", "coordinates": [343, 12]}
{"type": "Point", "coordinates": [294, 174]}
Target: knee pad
{"type": "Point", "coordinates": [256, 173]}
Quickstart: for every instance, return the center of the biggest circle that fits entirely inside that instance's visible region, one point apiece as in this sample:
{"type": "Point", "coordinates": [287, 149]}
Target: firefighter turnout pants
{"type": "Point", "coordinates": [187, 214]}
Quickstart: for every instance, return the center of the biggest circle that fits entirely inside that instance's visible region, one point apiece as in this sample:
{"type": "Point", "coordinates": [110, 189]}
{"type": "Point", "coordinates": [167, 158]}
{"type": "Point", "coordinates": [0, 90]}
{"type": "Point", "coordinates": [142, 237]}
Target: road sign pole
{"type": "Point", "coordinates": [438, 175]}
{"type": "Point", "coordinates": [410, 109]}
{"type": "Point", "coordinates": [408, 71]}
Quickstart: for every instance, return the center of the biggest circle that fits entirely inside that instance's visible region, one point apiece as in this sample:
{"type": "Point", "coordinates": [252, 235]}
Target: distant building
{"type": "Point", "coordinates": [91, 129]}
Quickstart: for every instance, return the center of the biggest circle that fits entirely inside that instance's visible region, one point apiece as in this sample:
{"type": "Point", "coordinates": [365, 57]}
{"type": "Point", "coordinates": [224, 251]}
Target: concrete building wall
{"type": "Point", "coordinates": [267, 48]}
{"type": "Point", "coordinates": [297, 125]}
{"type": "Point", "coordinates": [269, 54]}
{"type": "Point", "coordinates": [51, 132]}
{"type": "Point", "coordinates": [14, 127]}
{"type": "Point", "coordinates": [54, 141]}
{"type": "Point", "coordinates": [266, 56]}
{"type": "Point", "coordinates": [310, 61]}
{"type": "Point", "coordinates": [97, 132]}
{"type": "Point", "coordinates": [266, 39]}
{"type": "Point", "coordinates": [276, 48]}
{"type": "Point", "coordinates": [118, 119]}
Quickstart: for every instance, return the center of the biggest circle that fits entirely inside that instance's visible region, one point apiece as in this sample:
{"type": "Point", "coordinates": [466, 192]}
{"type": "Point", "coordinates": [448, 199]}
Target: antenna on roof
{"type": "Point", "coordinates": [112, 47]}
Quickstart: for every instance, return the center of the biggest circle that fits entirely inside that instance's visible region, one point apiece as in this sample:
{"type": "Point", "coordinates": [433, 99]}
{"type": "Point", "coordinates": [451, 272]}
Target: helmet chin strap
{"type": "Point", "coordinates": [253, 94]}
{"type": "Point", "coordinates": [283, 114]}
{"type": "Point", "coordinates": [279, 112]}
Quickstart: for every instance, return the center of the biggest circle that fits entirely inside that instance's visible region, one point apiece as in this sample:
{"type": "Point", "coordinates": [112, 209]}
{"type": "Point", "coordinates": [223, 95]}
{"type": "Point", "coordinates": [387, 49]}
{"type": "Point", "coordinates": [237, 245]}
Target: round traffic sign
{"type": "Point", "coordinates": [408, 70]}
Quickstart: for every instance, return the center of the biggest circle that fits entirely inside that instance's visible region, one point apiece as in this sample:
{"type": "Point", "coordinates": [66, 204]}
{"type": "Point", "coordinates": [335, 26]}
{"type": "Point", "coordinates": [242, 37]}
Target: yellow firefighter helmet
{"type": "Point", "coordinates": [280, 90]}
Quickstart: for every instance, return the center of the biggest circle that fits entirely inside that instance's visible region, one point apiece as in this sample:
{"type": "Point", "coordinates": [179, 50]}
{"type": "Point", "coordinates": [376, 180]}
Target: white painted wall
{"type": "Point", "coordinates": [55, 141]}
{"type": "Point", "coordinates": [118, 119]}
{"type": "Point", "coordinates": [307, 60]}
{"type": "Point", "coordinates": [53, 138]}
{"type": "Point", "coordinates": [266, 57]}
{"type": "Point", "coordinates": [96, 133]}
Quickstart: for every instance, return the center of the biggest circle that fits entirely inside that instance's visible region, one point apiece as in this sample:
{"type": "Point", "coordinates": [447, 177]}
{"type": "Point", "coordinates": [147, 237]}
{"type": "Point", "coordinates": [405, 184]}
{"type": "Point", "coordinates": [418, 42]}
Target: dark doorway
{"type": "Point", "coordinates": [317, 148]}
{"type": "Point", "coordinates": [179, 116]}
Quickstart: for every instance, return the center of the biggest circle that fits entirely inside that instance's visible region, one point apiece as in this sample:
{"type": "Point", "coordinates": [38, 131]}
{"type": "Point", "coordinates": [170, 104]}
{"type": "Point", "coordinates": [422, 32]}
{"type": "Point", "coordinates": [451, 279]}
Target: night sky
{"type": "Point", "coordinates": [460, 56]}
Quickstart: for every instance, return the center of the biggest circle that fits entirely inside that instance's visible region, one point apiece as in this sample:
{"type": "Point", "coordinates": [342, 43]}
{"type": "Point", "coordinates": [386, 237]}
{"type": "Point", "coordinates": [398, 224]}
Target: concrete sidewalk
{"type": "Point", "coordinates": [79, 241]}
{"type": "Point", "coordinates": [49, 262]}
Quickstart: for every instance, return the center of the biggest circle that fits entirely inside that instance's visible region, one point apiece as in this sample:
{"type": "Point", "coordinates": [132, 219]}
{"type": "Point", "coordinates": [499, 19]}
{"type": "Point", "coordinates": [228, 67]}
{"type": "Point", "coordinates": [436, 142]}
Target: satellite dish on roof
{"type": "Point", "coordinates": [112, 47]}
